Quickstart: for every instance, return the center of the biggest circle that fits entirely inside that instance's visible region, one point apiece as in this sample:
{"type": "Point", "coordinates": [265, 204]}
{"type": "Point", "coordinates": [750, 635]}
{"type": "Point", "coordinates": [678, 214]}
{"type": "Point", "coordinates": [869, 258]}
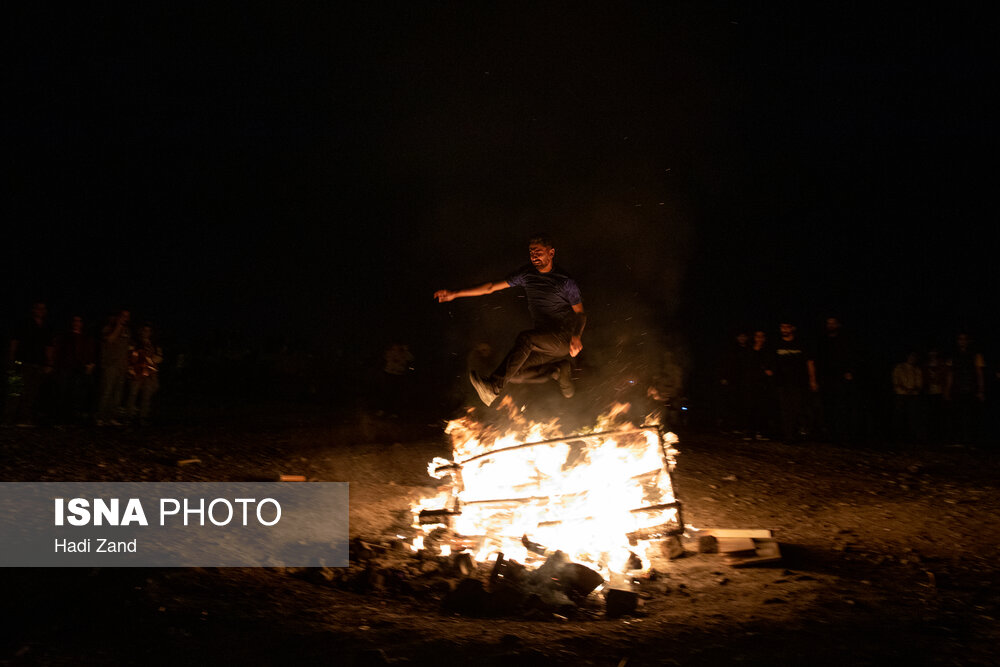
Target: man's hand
{"type": "Point", "coordinates": [575, 345]}
{"type": "Point", "coordinates": [443, 295]}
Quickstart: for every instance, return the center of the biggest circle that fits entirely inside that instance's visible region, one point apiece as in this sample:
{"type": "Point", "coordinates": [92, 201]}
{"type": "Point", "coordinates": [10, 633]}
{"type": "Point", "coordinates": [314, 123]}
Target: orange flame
{"type": "Point", "coordinates": [598, 496]}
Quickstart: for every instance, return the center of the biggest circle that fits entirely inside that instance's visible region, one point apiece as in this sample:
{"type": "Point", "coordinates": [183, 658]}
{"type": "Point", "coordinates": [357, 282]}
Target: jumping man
{"type": "Point", "coordinates": [557, 317]}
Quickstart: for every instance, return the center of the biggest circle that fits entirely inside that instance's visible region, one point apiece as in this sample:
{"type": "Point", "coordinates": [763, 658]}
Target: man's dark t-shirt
{"type": "Point", "coordinates": [32, 341]}
{"type": "Point", "coordinates": [75, 351]}
{"type": "Point", "coordinates": [551, 297]}
{"type": "Point", "coordinates": [790, 357]}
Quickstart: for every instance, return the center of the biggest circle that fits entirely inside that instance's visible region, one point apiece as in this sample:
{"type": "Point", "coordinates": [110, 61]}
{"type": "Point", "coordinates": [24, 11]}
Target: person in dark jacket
{"type": "Point", "coordinates": [76, 357]}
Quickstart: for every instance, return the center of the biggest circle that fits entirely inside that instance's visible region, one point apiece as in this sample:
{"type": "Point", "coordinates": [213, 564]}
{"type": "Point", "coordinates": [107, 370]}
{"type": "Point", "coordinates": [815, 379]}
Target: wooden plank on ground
{"type": "Point", "coordinates": [731, 544]}
{"type": "Point", "coordinates": [753, 533]}
{"type": "Point", "coordinates": [765, 551]}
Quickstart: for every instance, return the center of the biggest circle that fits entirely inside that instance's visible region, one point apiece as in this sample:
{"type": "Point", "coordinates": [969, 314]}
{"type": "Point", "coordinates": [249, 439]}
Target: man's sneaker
{"type": "Point", "coordinates": [487, 394]}
{"type": "Point", "coordinates": [565, 378]}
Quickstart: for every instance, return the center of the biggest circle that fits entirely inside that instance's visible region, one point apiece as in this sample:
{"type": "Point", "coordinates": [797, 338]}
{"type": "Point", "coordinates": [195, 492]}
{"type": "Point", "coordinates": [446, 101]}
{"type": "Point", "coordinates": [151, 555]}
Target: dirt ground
{"type": "Point", "coordinates": [888, 556]}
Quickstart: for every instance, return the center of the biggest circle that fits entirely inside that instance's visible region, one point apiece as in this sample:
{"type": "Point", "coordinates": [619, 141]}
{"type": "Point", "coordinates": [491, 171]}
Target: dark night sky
{"type": "Point", "coordinates": [322, 171]}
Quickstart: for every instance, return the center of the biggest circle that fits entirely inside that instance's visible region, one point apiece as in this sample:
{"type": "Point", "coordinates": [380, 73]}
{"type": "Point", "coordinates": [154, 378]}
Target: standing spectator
{"type": "Point", "coordinates": [32, 355]}
{"type": "Point", "coordinates": [908, 386]}
{"type": "Point", "coordinates": [76, 357]}
{"type": "Point", "coordinates": [666, 389]}
{"type": "Point", "coordinates": [143, 374]}
{"type": "Point", "coordinates": [396, 390]}
{"type": "Point", "coordinates": [935, 379]}
{"type": "Point", "coordinates": [992, 429]}
{"type": "Point", "coordinates": [759, 388]}
{"type": "Point", "coordinates": [835, 374]}
{"type": "Point", "coordinates": [116, 338]}
{"type": "Point", "coordinates": [965, 390]}
{"type": "Point", "coordinates": [732, 380]}
{"type": "Point", "coordinates": [795, 378]}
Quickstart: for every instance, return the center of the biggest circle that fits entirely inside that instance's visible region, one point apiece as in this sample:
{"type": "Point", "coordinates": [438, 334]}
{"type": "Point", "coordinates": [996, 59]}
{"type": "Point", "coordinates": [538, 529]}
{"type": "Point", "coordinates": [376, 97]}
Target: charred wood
{"type": "Point", "coordinates": [619, 602]}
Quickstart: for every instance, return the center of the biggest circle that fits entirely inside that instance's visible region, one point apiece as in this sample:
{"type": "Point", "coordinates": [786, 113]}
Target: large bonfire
{"type": "Point", "coordinates": [525, 490]}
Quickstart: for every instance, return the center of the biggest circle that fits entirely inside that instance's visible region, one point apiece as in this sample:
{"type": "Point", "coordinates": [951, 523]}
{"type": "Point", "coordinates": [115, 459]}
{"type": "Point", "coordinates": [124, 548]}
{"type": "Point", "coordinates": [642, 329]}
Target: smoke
{"type": "Point", "coordinates": [635, 254]}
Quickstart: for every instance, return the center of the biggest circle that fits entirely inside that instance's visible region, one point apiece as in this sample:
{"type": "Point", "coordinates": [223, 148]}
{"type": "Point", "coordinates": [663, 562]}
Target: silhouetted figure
{"type": "Point", "coordinates": [144, 360]}
{"type": "Point", "coordinates": [965, 390]}
{"type": "Point", "coordinates": [116, 341]}
{"type": "Point", "coordinates": [908, 388]}
{"type": "Point", "coordinates": [396, 392]}
{"type": "Point", "coordinates": [666, 391]}
{"type": "Point", "coordinates": [759, 389]}
{"type": "Point", "coordinates": [795, 378]}
{"type": "Point", "coordinates": [31, 357]}
{"type": "Point", "coordinates": [991, 426]}
{"type": "Point", "coordinates": [557, 316]}
{"type": "Point", "coordinates": [732, 384]}
{"type": "Point", "coordinates": [836, 367]}
{"type": "Point", "coordinates": [935, 379]}
{"type": "Point", "coordinates": [76, 358]}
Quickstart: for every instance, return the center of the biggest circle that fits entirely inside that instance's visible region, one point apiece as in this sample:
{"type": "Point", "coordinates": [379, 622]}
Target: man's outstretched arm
{"type": "Point", "coordinates": [443, 295]}
{"type": "Point", "coordinates": [576, 342]}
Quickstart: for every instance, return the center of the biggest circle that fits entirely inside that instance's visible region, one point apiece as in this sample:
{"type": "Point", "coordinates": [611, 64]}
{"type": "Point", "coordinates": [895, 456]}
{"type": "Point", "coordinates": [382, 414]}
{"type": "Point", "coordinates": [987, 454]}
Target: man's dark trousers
{"type": "Point", "coordinates": [532, 349]}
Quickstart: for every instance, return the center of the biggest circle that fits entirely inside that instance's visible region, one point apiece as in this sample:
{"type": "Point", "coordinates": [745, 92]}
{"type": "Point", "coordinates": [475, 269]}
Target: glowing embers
{"type": "Point", "coordinates": [603, 498]}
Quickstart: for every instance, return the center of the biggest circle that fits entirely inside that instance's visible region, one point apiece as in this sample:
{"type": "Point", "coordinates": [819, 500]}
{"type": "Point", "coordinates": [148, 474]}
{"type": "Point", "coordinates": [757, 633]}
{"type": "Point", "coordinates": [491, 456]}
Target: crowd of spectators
{"type": "Point", "coordinates": [820, 389]}
{"type": "Point", "coordinates": [67, 375]}
{"type": "Point", "coordinates": [769, 385]}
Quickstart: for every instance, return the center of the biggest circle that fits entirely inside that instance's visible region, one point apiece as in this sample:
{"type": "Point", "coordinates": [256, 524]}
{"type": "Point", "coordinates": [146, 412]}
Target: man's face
{"type": "Point", "coordinates": [39, 311]}
{"type": "Point", "coordinates": [541, 256]}
{"type": "Point", "coordinates": [787, 330]}
{"type": "Point", "coordinates": [832, 325]}
{"type": "Point", "coordinates": [76, 324]}
{"type": "Point", "coordinates": [741, 338]}
{"type": "Point", "coordinates": [759, 337]}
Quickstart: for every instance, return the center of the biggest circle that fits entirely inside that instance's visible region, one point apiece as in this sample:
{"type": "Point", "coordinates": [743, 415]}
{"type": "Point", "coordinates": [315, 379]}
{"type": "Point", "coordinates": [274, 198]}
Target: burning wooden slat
{"type": "Point", "coordinates": [436, 516]}
{"type": "Point", "coordinates": [580, 437]}
{"type": "Point", "coordinates": [566, 493]}
{"type": "Point", "coordinates": [533, 547]}
{"type": "Point", "coordinates": [655, 532]}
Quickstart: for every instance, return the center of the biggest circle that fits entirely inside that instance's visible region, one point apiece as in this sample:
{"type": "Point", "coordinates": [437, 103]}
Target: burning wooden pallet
{"type": "Point", "coordinates": [609, 493]}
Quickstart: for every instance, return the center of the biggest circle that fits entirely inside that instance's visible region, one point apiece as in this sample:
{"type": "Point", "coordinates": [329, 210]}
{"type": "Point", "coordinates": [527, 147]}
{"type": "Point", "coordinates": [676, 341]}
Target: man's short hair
{"type": "Point", "coordinates": [541, 239]}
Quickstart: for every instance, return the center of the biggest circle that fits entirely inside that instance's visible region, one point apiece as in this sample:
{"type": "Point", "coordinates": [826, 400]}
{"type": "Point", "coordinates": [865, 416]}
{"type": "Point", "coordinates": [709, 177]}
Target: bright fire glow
{"type": "Point", "coordinates": [595, 498]}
